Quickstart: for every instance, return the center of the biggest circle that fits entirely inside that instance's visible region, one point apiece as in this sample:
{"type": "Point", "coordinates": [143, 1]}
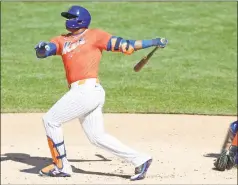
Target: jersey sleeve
{"type": "Point", "coordinates": [57, 43]}
{"type": "Point", "coordinates": [102, 39]}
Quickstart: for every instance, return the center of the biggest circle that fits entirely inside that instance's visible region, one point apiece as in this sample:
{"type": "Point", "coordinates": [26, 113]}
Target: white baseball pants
{"type": "Point", "coordinates": [85, 102]}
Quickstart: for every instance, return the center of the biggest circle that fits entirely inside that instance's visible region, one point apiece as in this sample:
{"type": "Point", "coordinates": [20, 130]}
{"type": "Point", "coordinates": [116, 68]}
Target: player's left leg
{"type": "Point", "coordinates": [93, 126]}
{"type": "Point", "coordinates": [77, 102]}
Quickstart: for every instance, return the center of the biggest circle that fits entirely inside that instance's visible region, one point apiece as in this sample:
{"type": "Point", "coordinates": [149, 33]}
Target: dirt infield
{"type": "Point", "coordinates": [183, 148]}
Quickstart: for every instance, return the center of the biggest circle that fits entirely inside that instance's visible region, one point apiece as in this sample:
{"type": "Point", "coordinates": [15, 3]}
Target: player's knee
{"type": "Point", "coordinates": [48, 121]}
{"type": "Point", "coordinates": [96, 138]}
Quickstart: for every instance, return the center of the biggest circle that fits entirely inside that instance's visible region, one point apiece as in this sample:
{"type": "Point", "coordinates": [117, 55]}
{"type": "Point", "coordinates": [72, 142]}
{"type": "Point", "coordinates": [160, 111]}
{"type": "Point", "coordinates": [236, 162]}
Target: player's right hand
{"type": "Point", "coordinates": [161, 42]}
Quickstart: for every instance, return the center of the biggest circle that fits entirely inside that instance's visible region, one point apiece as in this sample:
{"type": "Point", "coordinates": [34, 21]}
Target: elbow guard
{"type": "Point", "coordinates": [118, 44]}
{"type": "Point", "coordinates": [127, 47]}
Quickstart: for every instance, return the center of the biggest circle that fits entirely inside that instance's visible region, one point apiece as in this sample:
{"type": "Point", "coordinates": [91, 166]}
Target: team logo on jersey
{"type": "Point", "coordinates": [70, 46]}
{"type": "Point", "coordinates": [81, 41]}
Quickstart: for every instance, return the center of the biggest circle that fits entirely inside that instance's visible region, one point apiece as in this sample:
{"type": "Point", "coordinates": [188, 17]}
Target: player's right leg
{"type": "Point", "coordinates": [74, 104]}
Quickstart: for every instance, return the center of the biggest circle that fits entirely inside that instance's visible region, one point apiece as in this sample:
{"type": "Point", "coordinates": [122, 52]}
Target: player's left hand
{"type": "Point", "coordinates": [40, 45]}
{"type": "Point", "coordinates": [226, 159]}
{"type": "Point", "coordinates": [41, 49]}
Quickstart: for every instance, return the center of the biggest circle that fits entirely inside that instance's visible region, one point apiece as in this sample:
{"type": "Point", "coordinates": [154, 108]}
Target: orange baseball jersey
{"type": "Point", "coordinates": [81, 54]}
{"type": "Point", "coordinates": [235, 140]}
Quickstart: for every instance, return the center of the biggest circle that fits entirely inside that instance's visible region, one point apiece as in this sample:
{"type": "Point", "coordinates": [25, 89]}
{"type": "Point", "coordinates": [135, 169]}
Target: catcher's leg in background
{"type": "Point", "coordinates": [228, 157]}
{"type": "Point", "coordinates": [234, 131]}
{"type": "Point", "coordinates": [73, 104]}
{"type": "Point", "coordinates": [93, 127]}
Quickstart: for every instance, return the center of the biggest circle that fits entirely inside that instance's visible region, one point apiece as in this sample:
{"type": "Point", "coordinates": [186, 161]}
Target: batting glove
{"type": "Point", "coordinates": [41, 49]}
{"type": "Point", "coordinates": [41, 45]}
{"type": "Point", "coordinates": [161, 42]}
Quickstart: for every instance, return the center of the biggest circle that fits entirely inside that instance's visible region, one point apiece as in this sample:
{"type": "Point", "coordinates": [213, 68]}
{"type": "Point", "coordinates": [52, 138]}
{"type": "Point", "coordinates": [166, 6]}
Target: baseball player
{"type": "Point", "coordinates": [229, 154]}
{"type": "Point", "coordinates": [81, 50]}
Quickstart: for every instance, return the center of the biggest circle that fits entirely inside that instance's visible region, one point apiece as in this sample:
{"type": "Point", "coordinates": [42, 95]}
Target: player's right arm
{"type": "Point", "coordinates": [112, 43]}
{"type": "Point", "coordinates": [46, 49]}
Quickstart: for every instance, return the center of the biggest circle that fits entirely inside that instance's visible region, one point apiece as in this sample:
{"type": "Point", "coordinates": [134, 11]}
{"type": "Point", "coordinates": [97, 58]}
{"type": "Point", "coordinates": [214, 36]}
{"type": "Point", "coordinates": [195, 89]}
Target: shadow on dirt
{"type": "Point", "coordinates": [77, 170]}
{"type": "Point", "coordinates": [40, 162]}
{"type": "Point", "coordinates": [212, 155]}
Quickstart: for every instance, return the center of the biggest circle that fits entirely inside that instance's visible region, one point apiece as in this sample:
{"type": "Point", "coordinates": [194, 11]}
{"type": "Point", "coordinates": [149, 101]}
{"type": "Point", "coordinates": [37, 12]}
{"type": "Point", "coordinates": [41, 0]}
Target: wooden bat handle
{"type": "Point", "coordinates": [144, 60]}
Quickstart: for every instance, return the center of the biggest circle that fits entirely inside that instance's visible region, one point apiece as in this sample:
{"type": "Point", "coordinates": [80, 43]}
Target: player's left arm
{"type": "Point", "coordinates": [45, 49]}
{"type": "Point", "coordinates": [126, 46]}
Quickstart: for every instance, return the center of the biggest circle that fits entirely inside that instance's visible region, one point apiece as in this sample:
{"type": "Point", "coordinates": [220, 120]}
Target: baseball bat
{"type": "Point", "coordinates": [144, 60]}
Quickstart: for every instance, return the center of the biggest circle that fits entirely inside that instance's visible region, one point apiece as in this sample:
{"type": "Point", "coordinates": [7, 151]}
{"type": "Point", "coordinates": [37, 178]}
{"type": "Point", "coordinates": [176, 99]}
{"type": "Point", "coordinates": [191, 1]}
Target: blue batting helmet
{"type": "Point", "coordinates": [77, 17]}
{"type": "Point", "coordinates": [234, 127]}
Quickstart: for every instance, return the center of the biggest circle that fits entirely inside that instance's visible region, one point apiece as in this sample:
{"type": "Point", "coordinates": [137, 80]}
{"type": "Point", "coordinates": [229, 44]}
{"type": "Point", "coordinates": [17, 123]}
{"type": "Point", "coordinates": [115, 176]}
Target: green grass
{"type": "Point", "coordinates": [195, 74]}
